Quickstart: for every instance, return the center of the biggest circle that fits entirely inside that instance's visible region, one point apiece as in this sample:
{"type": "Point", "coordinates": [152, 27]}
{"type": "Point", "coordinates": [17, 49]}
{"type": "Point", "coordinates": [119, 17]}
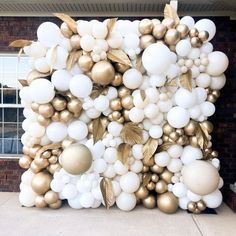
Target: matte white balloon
{"type": "Point", "coordinates": [218, 82]}
{"type": "Point", "coordinates": [77, 130]}
{"type": "Point", "coordinates": [132, 78]}
{"type": "Point", "coordinates": [61, 80]}
{"type": "Point", "coordinates": [56, 131]}
{"type": "Point", "coordinates": [178, 117]}
{"type": "Point", "coordinates": [126, 201]}
{"type": "Point", "coordinates": [207, 25]}
{"type": "Point", "coordinates": [213, 200]}
{"type": "Point", "coordinates": [129, 182]}
{"type": "Point", "coordinates": [183, 47]}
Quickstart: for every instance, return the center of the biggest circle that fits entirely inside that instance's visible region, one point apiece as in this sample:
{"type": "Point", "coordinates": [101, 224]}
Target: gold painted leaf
{"type": "Point", "coordinates": [170, 12]}
{"type": "Point", "coordinates": [34, 74]}
{"type": "Point", "coordinates": [20, 43]}
{"type": "Point", "coordinates": [139, 63]}
{"type": "Point", "coordinates": [150, 148]}
{"type": "Point", "coordinates": [202, 136]}
{"type": "Point", "coordinates": [110, 25]}
{"type": "Point", "coordinates": [53, 58]}
{"type": "Point", "coordinates": [131, 133]}
{"type": "Point", "coordinates": [146, 179]}
{"type": "Point", "coordinates": [164, 147]}
{"type": "Point", "coordinates": [123, 152]}
{"type": "Point", "coordinates": [99, 129]}
{"type": "Point", "coordinates": [97, 90]}
{"type": "Point", "coordinates": [107, 192]}
{"type": "Point", "coordinates": [23, 82]}
{"type": "Point", "coordinates": [171, 83]}
{"type": "Point", "coordinates": [117, 55]}
{"type": "Point", "coordinates": [143, 94]}
{"type": "Point", "coordinates": [47, 147]}
{"type": "Point", "coordinates": [73, 58]}
{"type": "Point", "coordinates": [186, 80]}
{"type": "Point", "coordinates": [68, 20]}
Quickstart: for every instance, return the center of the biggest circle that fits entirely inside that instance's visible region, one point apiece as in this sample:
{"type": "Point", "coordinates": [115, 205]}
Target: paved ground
{"type": "Point", "coordinates": [18, 221]}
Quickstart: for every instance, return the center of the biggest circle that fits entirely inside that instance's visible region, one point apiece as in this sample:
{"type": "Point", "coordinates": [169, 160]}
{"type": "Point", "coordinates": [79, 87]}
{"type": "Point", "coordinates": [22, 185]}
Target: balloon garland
{"type": "Point", "coordinates": [116, 113]}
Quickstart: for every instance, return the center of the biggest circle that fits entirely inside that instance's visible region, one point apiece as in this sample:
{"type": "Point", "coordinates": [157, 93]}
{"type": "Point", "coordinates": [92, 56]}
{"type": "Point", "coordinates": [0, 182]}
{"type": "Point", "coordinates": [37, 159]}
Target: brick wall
{"type": "Point", "coordinates": [224, 137]}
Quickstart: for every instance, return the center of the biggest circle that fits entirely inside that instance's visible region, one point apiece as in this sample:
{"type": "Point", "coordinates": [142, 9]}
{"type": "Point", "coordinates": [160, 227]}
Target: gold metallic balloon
{"type": "Point", "coordinates": [145, 26]}
{"type": "Point", "coordinates": [183, 30]}
{"type": "Point", "coordinates": [53, 160]}
{"type": "Point", "coordinates": [142, 192]}
{"type": "Point", "coordinates": [35, 106]}
{"type": "Point", "coordinates": [104, 121]}
{"type": "Point", "coordinates": [155, 178]}
{"type": "Point", "coordinates": [51, 197]}
{"type": "Point", "coordinates": [42, 120]}
{"type": "Point", "coordinates": [56, 116]}
{"type": "Point", "coordinates": [181, 140]}
{"type": "Point", "coordinates": [41, 182]}
{"type": "Point", "coordinates": [166, 175]}
{"type": "Point", "coordinates": [151, 186]}
{"type": "Point", "coordinates": [59, 103]}
{"type": "Point", "coordinates": [149, 202]}
{"type": "Point", "coordinates": [179, 131]}
{"type": "Point", "coordinates": [56, 205]}
{"type": "Point", "coordinates": [172, 37]}
{"type": "Point", "coordinates": [103, 73]}
{"type": "Point", "coordinates": [40, 202]}
{"type": "Point", "coordinates": [66, 116]}
{"type": "Point", "coordinates": [195, 42]}
{"type": "Point", "coordinates": [193, 32]}
{"type": "Point", "coordinates": [145, 169]}
{"type": "Point", "coordinates": [201, 205]}
{"type": "Point", "coordinates": [161, 186]}
{"type": "Point", "coordinates": [123, 92]}
{"type": "Point", "coordinates": [56, 152]}
{"type": "Point", "coordinates": [41, 162]}
{"type": "Point", "coordinates": [90, 127]}
{"type": "Point", "coordinates": [115, 104]}
{"type": "Point", "coordinates": [117, 80]}
{"type": "Point", "coordinates": [25, 162]}
{"type": "Point", "coordinates": [46, 154]}
{"type": "Point", "coordinates": [76, 159]}
{"type": "Point", "coordinates": [203, 35]}
{"type": "Point", "coordinates": [214, 154]}
{"type": "Point", "coordinates": [193, 141]}
{"type": "Point", "coordinates": [191, 128]}
{"type": "Point", "coordinates": [157, 169]}
{"type": "Point", "coordinates": [75, 41]}
{"type": "Point", "coordinates": [167, 129]}
{"type": "Point", "coordinates": [174, 136]}
{"type": "Point", "coordinates": [74, 106]}
{"type": "Point", "coordinates": [34, 168]}
{"type": "Point", "coordinates": [167, 203]}
{"type": "Point", "coordinates": [168, 22]}
{"type": "Point", "coordinates": [159, 31]}
{"type": "Point", "coordinates": [65, 30]}
{"type": "Point", "coordinates": [85, 63]}
{"type": "Point", "coordinates": [116, 115]}
{"type": "Point", "coordinates": [155, 22]}
{"type": "Point", "coordinates": [211, 98]}
{"type": "Point", "coordinates": [148, 162]}
{"type": "Point", "coordinates": [197, 211]}
{"type": "Point", "coordinates": [192, 206]}
{"type": "Point", "coordinates": [216, 93]}
{"type": "Point", "coordinates": [67, 142]}
{"type": "Point", "coordinates": [165, 138]}
{"type": "Point", "coordinates": [127, 102]}
{"type": "Point", "coordinates": [121, 67]}
{"type": "Point", "coordinates": [126, 115]}
{"type": "Point", "coordinates": [46, 110]}
{"type": "Point", "coordinates": [25, 150]}
{"type": "Point", "coordinates": [146, 40]}
{"type": "Point", "coordinates": [33, 150]}
{"type": "Point", "coordinates": [121, 120]}
{"type": "Point", "coordinates": [52, 168]}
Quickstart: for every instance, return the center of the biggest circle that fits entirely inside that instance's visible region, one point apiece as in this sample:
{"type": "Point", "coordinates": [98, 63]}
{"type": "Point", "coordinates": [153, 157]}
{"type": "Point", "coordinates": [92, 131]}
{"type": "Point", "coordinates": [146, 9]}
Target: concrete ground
{"type": "Point", "coordinates": [17, 220]}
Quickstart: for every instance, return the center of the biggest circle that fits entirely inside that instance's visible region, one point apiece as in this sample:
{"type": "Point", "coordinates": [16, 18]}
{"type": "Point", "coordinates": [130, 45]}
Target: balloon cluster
{"type": "Point", "coordinates": [116, 113]}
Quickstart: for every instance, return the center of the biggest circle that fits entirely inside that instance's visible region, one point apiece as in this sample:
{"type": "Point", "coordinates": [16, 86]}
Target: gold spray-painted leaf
{"type": "Point", "coordinates": [107, 192]}
{"type": "Point", "coordinates": [171, 83]}
{"type": "Point", "coordinates": [53, 58]}
{"type": "Point", "coordinates": [73, 58]}
{"type": "Point", "coordinates": [23, 82]}
{"type": "Point", "coordinates": [97, 90]}
{"type": "Point", "coordinates": [123, 151]}
{"type": "Point", "coordinates": [34, 74]}
{"type": "Point", "coordinates": [164, 147]}
{"type": "Point", "coordinates": [150, 148]}
{"type": "Point", "coordinates": [110, 25]}
{"type": "Point", "coordinates": [99, 129]}
{"type": "Point", "coordinates": [20, 43]}
{"type": "Point", "coordinates": [139, 62]}
{"type": "Point", "coordinates": [170, 12]}
{"type": "Point", "coordinates": [146, 179]}
{"type": "Point", "coordinates": [186, 80]}
{"type": "Point", "coordinates": [131, 133]}
{"type": "Point", "coordinates": [47, 147]}
{"type": "Point", "coordinates": [68, 20]}
{"type": "Point", "coordinates": [202, 136]}
{"type": "Point", "coordinates": [143, 94]}
{"type": "Point", "coordinates": [117, 55]}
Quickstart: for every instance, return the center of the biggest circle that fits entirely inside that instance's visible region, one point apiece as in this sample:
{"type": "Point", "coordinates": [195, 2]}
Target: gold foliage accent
{"type": "Point", "coordinates": [202, 136]}
{"type": "Point", "coordinates": [186, 80]}
{"type": "Point", "coordinates": [23, 82]}
{"type": "Point", "coordinates": [107, 192]}
{"type": "Point", "coordinates": [139, 62]}
{"type": "Point", "coordinates": [20, 43]}
{"type": "Point", "coordinates": [110, 25]}
{"type": "Point", "coordinates": [131, 133]}
{"type": "Point", "coordinates": [99, 129]}
{"type": "Point", "coordinates": [123, 152]}
{"type": "Point", "coordinates": [150, 148]}
{"type": "Point", "coordinates": [170, 12]}
{"type": "Point", "coordinates": [53, 58]}
{"type": "Point", "coordinates": [143, 94]}
{"type": "Point", "coordinates": [97, 90]}
{"type": "Point", "coordinates": [47, 147]}
{"type": "Point", "coordinates": [171, 83]}
{"type": "Point", "coordinates": [73, 58]}
{"type": "Point", "coordinates": [68, 20]}
{"type": "Point", "coordinates": [164, 147]}
{"type": "Point", "coordinates": [34, 74]}
{"type": "Point", "coordinates": [117, 55]}
{"type": "Point", "coordinates": [146, 179]}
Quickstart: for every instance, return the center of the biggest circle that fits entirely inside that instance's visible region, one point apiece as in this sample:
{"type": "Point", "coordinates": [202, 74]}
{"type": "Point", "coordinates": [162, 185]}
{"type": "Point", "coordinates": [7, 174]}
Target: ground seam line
{"type": "Point", "coordinates": [197, 224]}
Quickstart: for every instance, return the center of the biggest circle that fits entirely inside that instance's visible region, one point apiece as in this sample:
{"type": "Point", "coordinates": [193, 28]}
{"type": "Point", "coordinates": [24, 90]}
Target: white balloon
{"type": "Point", "coordinates": [162, 158]}
{"type": "Point", "coordinates": [178, 117]}
{"type": "Point", "coordinates": [27, 197]}
{"type": "Point", "coordinates": [25, 95]}
{"type": "Point", "coordinates": [131, 41]}
{"type": "Point", "coordinates": [183, 47]}
{"type": "Point", "coordinates": [41, 65]}
{"type": "Point", "coordinates": [126, 201]}
{"type": "Point", "coordinates": [218, 82]}
{"type": "Point", "coordinates": [57, 185]}
{"type": "Point", "coordinates": [75, 202]}
{"type": "Point", "coordinates": [110, 155]}
{"type": "Point", "coordinates": [84, 27]}
{"type": "Point", "coordinates": [206, 47]}
{"type": "Point", "coordinates": [69, 191]}
{"type": "Point", "coordinates": [190, 154]}
{"type": "Point", "coordinates": [99, 165]}
{"type": "Point", "coordinates": [36, 130]}
{"type": "Point", "coordinates": [183, 202]}
{"type": "Point", "coordinates": [132, 78]}
{"type": "Point", "coordinates": [37, 50]}
{"type": "Point", "coordinates": [155, 131]}
{"type": "Point", "coordinates": [129, 182]}
{"type": "Point", "coordinates": [156, 58]}
{"type": "Point", "coordinates": [137, 166]}
{"type": "Point", "coordinates": [45, 32]}
{"type": "Point", "coordinates": [187, 20]}
{"type": "Point", "coordinates": [110, 171]}
{"type": "Point", "coordinates": [87, 42]}
{"type": "Point", "coordinates": [114, 128]}
{"type": "Point", "coordinates": [184, 98]}
{"type": "Point", "coordinates": [116, 188]}
{"type": "Point", "coordinates": [194, 53]}
{"type": "Point", "coordinates": [175, 151]}
{"type": "Point", "coordinates": [207, 108]}
{"type": "Point", "coordinates": [213, 200]}
{"type": "Point", "coordinates": [193, 196]}
{"type": "Point", "coordinates": [101, 103]}
{"type": "Point", "coordinates": [175, 165]}
{"type": "Point", "coordinates": [41, 91]}
{"type": "Point", "coordinates": [218, 63]}
{"type": "Point", "coordinates": [27, 177]}
{"type": "Point", "coordinates": [56, 131]}
{"type": "Point", "coordinates": [99, 30]}
{"type": "Point", "coordinates": [137, 151]}
{"type": "Point", "coordinates": [179, 190]}
{"type": "Point", "coordinates": [81, 86]}
{"type": "Point", "coordinates": [201, 94]}
{"type": "Point", "coordinates": [115, 40]}
{"type": "Point", "coordinates": [61, 80]}
{"type": "Point", "coordinates": [203, 80]}
{"type": "Point", "coordinates": [136, 115]}
{"type": "Point", "coordinates": [77, 130]}
{"type": "Point", "coordinates": [207, 25]}
{"type": "Point", "coordinates": [120, 168]}
{"type": "Point", "coordinates": [157, 80]}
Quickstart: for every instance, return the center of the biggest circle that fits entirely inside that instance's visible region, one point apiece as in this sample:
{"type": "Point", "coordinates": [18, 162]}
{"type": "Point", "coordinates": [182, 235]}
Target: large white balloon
{"type": "Point", "coordinates": [184, 98]}
{"type": "Point", "coordinates": [156, 58]}
{"type": "Point", "coordinates": [129, 182]}
{"type": "Point", "coordinates": [41, 91]}
{"type": "Point", "coordinates": [207, 25]}
{"type": "Point", "coordinates": [36, 130]}
{"type": "Point", "coordinates": [183, 47]}
{"type": "Point", "coordinates": [132, 78]}
{"type": "Point", "coordinates": [213, 200]}
{"type": "Point", "coordinates": [187, 20]}
{"type": "Point", "coordinates": [190, 154]}
{"type": "Point", "coordinates": [218, 82]}
{"type": "Point", "coordinates": [178, 117]}
{"type": "Point", "coordinates": [56, 131]}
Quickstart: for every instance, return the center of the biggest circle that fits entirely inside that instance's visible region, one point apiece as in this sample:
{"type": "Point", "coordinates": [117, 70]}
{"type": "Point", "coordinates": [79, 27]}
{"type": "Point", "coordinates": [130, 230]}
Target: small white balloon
{"type": "Point", "coordinates": [129, 182]}
{"type": "Point", "coordinates": [61, 80]}
{"type": "Point", "coordinates": [77, 130]}
{"type": "Point", "coordinates": [178, 117]}
{"type": "Point", "coordinates": [136, 115]}
{"type": "Point", "coordinates": [56, 131]}
{"type": "Point", "coordinates": [213, 200]}
{"type": "Point", "coordinates": [132, 78]}
{"type": "Point", "coordinates": [101, 103]}
{"type": "Point", "coordinates": [87, 43]}
{"type": "Point", "coordinates": [179, 190]}
{"type": "Point", "coordinates": [126, 201]}
{"type": "Point", "coordinates": [162, 158]}
{"type": "Point", "coordinates": [203, 80]}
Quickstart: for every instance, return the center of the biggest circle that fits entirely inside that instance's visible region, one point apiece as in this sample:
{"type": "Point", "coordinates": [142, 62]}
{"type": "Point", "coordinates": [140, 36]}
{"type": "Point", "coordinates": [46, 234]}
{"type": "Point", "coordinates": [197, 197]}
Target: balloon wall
{"type": "Point", "coordinates": [116, 113]}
